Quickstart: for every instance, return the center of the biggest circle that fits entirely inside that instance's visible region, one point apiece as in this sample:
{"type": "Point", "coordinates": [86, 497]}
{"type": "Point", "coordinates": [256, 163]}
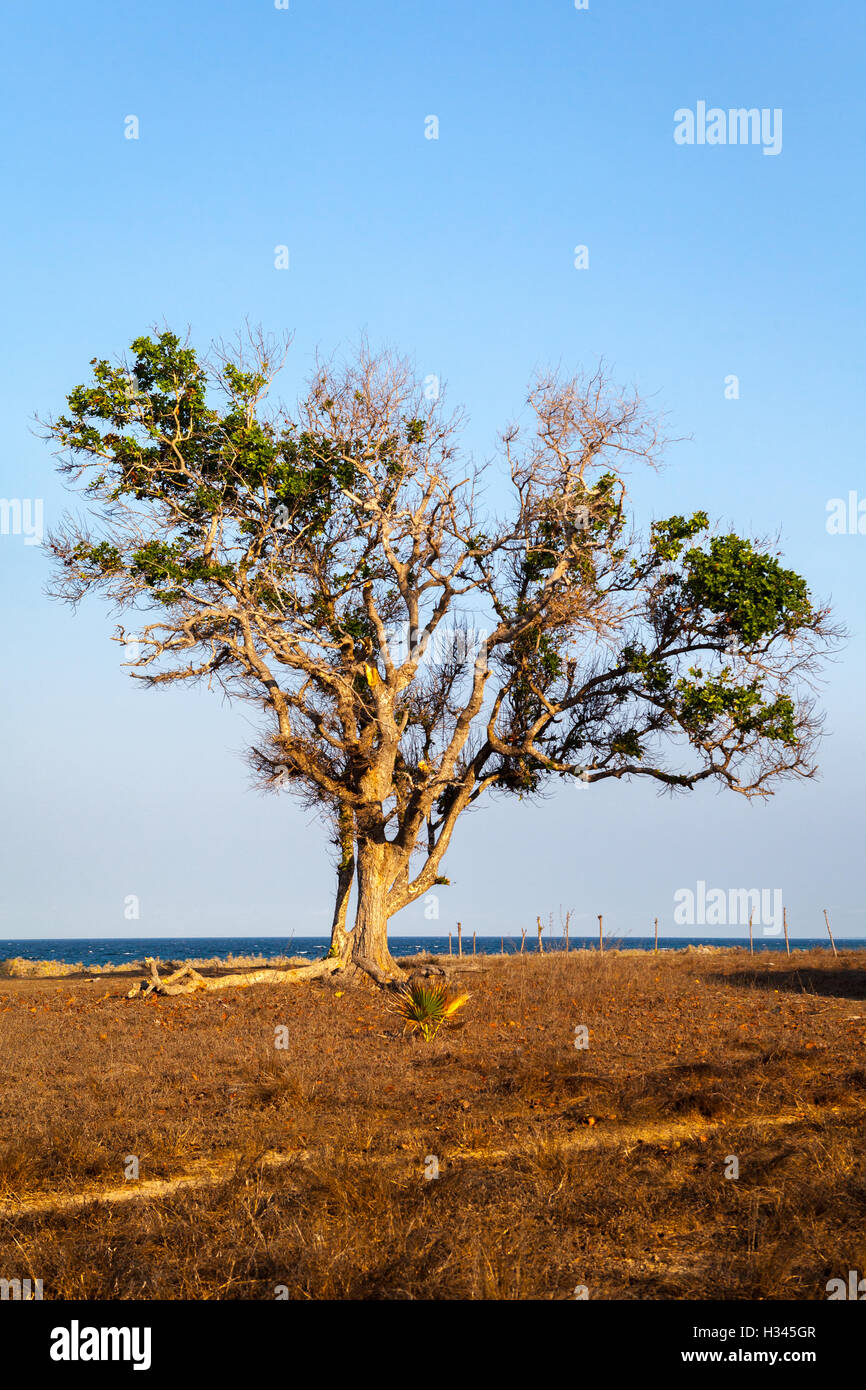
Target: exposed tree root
{"type": "Point", "coordinates": [187, 980]}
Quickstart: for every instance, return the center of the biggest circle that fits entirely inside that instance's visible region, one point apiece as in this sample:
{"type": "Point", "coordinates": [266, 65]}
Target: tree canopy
{"type": "Point", "coordinates": [336, 565]}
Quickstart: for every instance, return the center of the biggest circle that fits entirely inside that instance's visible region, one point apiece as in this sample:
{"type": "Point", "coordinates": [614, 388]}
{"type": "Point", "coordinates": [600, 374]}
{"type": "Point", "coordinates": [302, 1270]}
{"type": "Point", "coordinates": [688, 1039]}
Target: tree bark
{"type": "Point", "coordinates": [341, 939]}
{"type": "Point", "coordinates": [370, 951]}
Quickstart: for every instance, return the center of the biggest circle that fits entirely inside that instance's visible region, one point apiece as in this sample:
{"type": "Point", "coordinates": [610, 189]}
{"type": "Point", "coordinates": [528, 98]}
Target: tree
{"type": "Point", "coordinates": [409, 650]}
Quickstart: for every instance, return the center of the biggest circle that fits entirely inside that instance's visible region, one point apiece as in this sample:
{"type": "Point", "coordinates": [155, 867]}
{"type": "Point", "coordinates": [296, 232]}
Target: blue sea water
{"type": "Point", "coordinates": [91, 951]}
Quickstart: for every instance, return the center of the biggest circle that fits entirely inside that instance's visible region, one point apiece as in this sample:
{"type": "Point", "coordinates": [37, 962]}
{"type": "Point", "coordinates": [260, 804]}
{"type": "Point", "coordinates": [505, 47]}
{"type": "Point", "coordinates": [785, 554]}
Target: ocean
{"type": "Point", "coordinates": [90, 951]}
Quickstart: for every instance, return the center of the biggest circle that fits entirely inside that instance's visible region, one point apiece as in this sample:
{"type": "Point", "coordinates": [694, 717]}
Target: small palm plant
{"type": "Point", "coordinates": [424, 1008]}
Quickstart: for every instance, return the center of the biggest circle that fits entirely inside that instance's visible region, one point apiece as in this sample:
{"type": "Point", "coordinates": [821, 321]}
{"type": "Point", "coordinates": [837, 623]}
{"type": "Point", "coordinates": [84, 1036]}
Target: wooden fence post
{"type": "Point", "coordinates": [829, 933]}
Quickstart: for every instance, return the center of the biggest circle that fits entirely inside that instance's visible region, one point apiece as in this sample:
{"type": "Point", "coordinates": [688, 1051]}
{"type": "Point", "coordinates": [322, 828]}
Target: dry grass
{"type": "Point", "coordinates": [19, 968]}
{"type": "Point", "coordinates": [558, 1166]}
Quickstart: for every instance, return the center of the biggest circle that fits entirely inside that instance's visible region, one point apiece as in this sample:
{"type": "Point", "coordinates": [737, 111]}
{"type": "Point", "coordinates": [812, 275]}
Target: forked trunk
{"type": "Point", "coordinates": [370, 936]}
{"type": "Point", "coordinates": [340, 938]}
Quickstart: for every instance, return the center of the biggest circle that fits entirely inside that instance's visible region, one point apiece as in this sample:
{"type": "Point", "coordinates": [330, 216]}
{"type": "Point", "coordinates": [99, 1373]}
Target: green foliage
{"type": "Point", "coordinates": [265, 538]}
{"type": "Point", "coordinates": [164, 441]}
{"type": "Point", "coordinates": [159, 441]}
{"type": "Point", "coordinates": [416, 431]}
{"type": "Point", "coordinates": [667, 537]}
{"type": "Point", "coordinates": [752, 591]}
{"type": "Point", "coordinates": [701, 704]}
{"type": "Point", "coordinates": [600, 521]}
{"type": "Point", "coordinates": [656, 675]}
{"type": "Point", "coordinates": [97, 561]}
{"type": "Point", "coordinates": [627, 744]}
{"type": "Point", "coordinates": [425, 1008]}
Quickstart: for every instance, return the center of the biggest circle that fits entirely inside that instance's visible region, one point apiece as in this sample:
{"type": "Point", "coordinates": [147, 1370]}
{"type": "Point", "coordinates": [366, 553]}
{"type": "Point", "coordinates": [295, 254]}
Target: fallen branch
{"type": "Point", "coordinates": [187, 980]}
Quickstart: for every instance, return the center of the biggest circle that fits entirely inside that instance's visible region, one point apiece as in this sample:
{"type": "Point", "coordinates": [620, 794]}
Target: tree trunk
{"type": "Point", "coordinates": [370, 951]}
{"type": "Point", "coordinates": [341, 939]}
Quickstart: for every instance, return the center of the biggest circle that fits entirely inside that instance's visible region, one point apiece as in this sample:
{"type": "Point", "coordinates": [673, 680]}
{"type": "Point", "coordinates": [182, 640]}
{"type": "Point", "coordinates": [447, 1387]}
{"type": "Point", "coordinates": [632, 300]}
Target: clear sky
{"type": "Point", "coordinates": [260, 127]}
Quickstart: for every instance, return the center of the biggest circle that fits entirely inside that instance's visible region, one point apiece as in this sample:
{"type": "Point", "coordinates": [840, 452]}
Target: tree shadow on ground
{"type": "Point", "coordinates": [800, 979]}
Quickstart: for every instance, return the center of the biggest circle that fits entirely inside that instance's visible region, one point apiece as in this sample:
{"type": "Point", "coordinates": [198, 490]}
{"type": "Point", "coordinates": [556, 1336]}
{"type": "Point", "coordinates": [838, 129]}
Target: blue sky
{"type": "Point", "coordinates": [305, 127]}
